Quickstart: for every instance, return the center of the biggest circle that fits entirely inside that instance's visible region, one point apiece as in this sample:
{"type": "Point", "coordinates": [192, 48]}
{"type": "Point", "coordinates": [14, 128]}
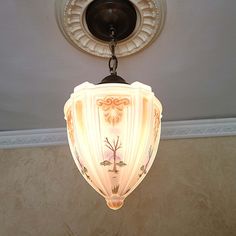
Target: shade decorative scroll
{"type": "Point", "coordinates": [114, 132]}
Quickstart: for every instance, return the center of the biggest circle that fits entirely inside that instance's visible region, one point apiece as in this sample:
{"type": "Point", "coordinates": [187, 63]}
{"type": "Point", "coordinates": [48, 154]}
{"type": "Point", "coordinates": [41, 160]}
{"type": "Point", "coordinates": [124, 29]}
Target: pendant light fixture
{"type": "Point", "coordinates": [113, 127]}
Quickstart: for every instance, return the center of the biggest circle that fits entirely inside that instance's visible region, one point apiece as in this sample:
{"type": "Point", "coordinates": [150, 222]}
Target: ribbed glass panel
{"type": "Point", "coordinates": [113, 132]}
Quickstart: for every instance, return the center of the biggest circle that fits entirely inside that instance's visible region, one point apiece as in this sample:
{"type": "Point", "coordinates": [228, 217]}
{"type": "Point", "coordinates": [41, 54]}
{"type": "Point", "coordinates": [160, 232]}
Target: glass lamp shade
{"type": "Point", "coordinates": [113, 131]}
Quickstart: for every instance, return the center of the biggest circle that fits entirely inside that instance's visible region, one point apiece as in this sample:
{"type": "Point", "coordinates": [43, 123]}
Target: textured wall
{"type": "Point", "coordinates": [190, 190]}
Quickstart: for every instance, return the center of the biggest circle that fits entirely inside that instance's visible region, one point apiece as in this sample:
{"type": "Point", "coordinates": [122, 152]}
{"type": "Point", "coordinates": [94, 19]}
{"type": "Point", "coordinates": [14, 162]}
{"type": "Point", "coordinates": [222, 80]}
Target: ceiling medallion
{"type": "Point", "coordinates": [150, 16]}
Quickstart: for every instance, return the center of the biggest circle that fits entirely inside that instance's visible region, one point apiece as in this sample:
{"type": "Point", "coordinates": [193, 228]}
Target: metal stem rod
{"type": "Point", "coordinates": [113, 61]}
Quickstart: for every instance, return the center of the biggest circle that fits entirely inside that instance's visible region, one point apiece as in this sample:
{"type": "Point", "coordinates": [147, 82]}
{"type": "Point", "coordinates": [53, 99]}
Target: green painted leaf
{"type": "Point", "coordinates": [106, 163]}
{"type": "Point", "coordinates": [121, 163]}
{"type": "Point", "coordinates": [142, 168]}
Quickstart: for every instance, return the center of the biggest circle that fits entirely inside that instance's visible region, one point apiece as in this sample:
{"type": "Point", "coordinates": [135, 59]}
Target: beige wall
{"type": "Point", "coordinates": [190, 190]}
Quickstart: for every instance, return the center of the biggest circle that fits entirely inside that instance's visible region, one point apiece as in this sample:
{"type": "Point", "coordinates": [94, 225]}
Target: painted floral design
{"type": "Point", "coordinates": [101, 191]}
{"type": "Point", "coordinates": [144, 167]}
{"type": "Point", "coordinates": [114, 159]}
{"type": "Point", "coordinates": [115, 189]}
{"type": "Point", "coordinates": [113, 108]}
{"type": "Point", "coordinates": [69, 123]}
{"type": "Point", "coordinates": [156, 123]}
{"type": "Point", "coordinates": [83, 169]}
{"type": "Point", "coordinates": [127, 191]}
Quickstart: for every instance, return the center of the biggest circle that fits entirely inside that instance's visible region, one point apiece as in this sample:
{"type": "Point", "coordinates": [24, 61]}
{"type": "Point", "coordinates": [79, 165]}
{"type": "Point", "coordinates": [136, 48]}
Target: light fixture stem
{"type": "Point", "coordinates": [113, 61]}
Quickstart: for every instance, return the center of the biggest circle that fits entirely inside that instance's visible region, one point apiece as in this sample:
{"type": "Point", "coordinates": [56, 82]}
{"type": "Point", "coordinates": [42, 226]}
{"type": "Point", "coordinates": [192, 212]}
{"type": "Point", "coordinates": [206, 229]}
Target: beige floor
{"type": "Point", "coordinates": [190, 190]}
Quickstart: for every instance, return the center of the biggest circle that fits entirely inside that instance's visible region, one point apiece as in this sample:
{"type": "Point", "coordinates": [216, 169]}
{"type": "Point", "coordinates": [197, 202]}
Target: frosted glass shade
{"type": "Point", "coordinates": [113, 131]}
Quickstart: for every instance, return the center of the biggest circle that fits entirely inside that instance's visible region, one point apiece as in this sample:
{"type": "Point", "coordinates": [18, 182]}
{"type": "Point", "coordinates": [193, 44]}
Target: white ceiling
{"type": "Point", "coordinates": [191, 67]}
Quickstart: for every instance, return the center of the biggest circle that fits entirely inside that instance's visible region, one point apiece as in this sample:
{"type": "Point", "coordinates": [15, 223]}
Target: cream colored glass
{"type": "Point", "coordinates": [114, 132]}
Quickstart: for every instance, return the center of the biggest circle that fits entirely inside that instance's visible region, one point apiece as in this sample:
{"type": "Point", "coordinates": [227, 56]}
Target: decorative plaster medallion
{"type": "Point", "coordinates": [71, 20]}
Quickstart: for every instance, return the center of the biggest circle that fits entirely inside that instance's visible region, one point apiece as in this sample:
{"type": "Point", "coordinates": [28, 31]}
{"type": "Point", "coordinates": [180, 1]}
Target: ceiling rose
{"type": "Point", "coordinates": [71, 18]}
